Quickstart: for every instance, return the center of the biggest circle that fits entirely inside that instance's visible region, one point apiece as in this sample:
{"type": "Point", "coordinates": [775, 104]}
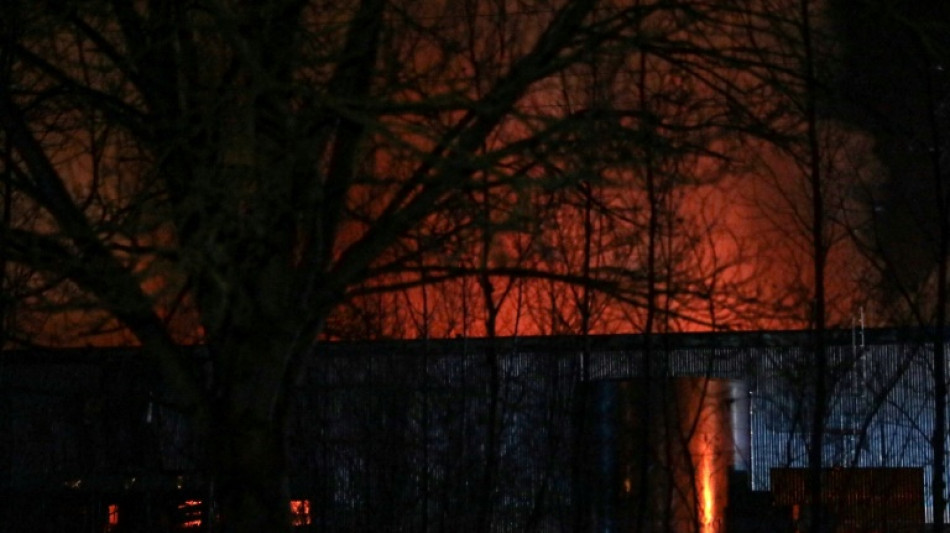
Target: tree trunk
{"type": "Point", "coordinates": [819, 254]}
{"type": "Point", "coordinates": [250, 474]}
{"type": "Point", "coordinates": [939, 436]}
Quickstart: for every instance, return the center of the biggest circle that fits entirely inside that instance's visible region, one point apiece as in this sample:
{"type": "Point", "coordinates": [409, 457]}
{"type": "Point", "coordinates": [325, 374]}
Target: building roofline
{"type": "Point", "coordinates": [534, 343]}
{"type": "Point", "coordinates": [611, 342]}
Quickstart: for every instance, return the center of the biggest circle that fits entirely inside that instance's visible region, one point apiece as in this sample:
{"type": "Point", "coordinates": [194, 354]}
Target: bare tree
{"type": "Point", "coordinates": [246, 175]}
{"type": "Point", "coordinates": [262, 161]}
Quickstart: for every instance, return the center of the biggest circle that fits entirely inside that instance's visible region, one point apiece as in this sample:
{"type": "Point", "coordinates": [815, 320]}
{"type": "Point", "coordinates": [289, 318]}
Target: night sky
{"type": "Point", "coordinates": [894, 58]}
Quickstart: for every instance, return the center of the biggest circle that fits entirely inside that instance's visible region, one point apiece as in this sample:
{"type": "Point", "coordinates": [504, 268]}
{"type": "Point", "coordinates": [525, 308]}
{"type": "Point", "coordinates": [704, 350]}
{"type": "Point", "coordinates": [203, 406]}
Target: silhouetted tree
{"type": "Point", "coordinates": [251, 176]}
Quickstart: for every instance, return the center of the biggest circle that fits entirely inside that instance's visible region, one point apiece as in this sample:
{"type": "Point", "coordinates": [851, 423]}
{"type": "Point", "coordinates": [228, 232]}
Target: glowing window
{"type": "Point", "coordinates": [190, 513]}
{"type": "Point", "coordinates": [300, 513]}
{"type": "Point", "coordinates": [112, 518]}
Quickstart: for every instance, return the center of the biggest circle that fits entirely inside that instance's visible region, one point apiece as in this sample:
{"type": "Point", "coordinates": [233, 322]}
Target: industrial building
{"type": "Point", "coordinates": [681, 432]}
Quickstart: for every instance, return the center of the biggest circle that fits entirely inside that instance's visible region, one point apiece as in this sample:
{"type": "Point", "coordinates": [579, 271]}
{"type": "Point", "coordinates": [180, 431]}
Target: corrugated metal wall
{"type": "Point", "coordinates": [395, 436]}
{"type": "Point", "coordinates": [404, 426]}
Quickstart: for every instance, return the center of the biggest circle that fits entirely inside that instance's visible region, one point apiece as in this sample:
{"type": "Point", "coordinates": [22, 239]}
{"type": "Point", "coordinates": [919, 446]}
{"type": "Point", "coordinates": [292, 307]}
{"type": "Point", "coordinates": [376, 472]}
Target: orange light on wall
{"type": "Point", "coordinates": [705, 411]}
{"type": "Point", "coordinates": [300, 513]}
{"type": "Point", "coordinates": [707, 493]}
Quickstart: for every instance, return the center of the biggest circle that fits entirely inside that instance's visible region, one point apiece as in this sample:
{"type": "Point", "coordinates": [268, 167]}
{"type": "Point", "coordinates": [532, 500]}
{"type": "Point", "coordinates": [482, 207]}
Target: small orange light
{"type": "Point", "coordinates": [192, 513]}
{"type": "Point", "coordinates": [300, 513]}
{"type": "Point", "coordinates": [113, 517]}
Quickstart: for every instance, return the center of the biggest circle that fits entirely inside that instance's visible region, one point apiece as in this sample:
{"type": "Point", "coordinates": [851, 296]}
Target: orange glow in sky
{"type": "Point", "coordinates": [733, 253]}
